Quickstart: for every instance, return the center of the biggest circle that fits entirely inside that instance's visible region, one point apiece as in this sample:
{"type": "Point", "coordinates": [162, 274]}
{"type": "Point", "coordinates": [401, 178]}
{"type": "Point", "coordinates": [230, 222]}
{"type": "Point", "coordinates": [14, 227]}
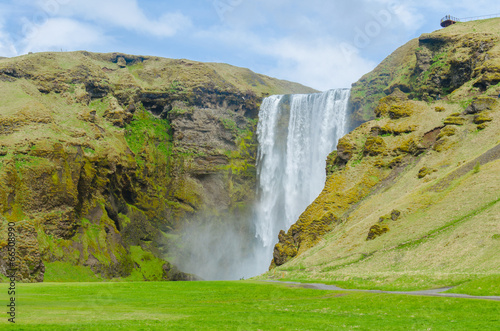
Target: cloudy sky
{"type": "Point", "coordinates": [320, 43]}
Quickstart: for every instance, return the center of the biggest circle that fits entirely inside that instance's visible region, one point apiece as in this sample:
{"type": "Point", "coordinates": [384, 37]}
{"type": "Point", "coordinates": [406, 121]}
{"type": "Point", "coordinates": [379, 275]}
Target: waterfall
{"type": "Point", "coordinates": [295, 135]}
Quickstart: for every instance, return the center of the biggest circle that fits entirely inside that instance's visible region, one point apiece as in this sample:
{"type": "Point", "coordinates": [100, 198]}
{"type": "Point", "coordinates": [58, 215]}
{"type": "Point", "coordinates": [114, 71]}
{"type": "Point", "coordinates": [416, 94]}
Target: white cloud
{"type": "Point", "coordinates": [126, 14]}
{"type": "Point", "coordinates": [321, 64]}
{"type": "Point", "coordinates": [323, 44]}
{"type": "Point", "coordinates": [167, 25]}
{"type": "Point", "coordinates": [7, 48]}
{"type": "Point", "coordinates": [62, 33]}
{"type": "Point", "coordinates": [82, 24]}
{"type": "Point", "coordinates": [409, 16]}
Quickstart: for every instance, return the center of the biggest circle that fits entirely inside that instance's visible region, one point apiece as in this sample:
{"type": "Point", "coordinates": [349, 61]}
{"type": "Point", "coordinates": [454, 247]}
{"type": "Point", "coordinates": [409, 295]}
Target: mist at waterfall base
{"type": "Point", "coordinates": [295, 134]}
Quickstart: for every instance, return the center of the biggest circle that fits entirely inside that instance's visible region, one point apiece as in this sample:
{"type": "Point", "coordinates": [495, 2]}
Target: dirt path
{"type": "Point", "coordinates": [430, 293]}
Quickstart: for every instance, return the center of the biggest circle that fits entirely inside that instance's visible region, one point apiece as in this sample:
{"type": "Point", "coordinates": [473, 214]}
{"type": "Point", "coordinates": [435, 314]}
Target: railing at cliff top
{"type": "Point", "coordinates": [449, 20]}
{"type": "Point", "coordinates": [466, 19]}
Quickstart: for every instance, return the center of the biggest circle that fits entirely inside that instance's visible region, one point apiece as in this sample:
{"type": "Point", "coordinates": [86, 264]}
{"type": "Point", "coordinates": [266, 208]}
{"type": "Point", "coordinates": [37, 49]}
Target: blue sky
{"type": "Point", "coordinates": [319, 43]}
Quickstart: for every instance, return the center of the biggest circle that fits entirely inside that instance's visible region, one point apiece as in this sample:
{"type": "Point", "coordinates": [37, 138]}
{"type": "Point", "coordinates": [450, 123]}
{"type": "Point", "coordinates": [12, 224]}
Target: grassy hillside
{"type": "Point", "coordinates": [411, 199]}
{"type": "Point", "coordinates": [121, 71]}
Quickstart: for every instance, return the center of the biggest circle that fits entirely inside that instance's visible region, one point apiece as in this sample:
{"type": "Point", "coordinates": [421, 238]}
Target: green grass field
{"type": "Point", "coordinates": [237, 305]}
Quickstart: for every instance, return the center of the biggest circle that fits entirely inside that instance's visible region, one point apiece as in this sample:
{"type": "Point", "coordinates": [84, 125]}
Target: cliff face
{"type": "Point", "coordinates": [103, 155]}
{"type": "Point", "coordinates": [413, 192]}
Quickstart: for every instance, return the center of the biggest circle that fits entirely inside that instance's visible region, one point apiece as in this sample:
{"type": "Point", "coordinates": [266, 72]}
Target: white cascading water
{"type": "Point", "coordinates": [295, 134]}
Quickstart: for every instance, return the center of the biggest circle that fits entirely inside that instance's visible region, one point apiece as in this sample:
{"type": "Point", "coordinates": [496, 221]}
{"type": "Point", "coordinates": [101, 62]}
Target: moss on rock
{"type": "Point", "coordinates": [382, 225]}
{"type": "Point", "coordinates": [410, 146]}
{"type": "Point", "coordinates": [447, 131]}
{"type": "Point", "coordinates": [345, 149]}
{"type": "Point", "coordinates": [392, 128]}
{"type": "Point", "coordinates": [29, 266]}
{"type": "Point", "coordinates": [482, 118]}
{"type": "Point", "coordinates": [377, 230]}
{"type": "Point", "coordinates": [424, 171]}
{"type": "Point", "coordinates": [394, 106]}
{"type": "Point", "coordinates": [325, 213]}
{"type": "Point", "coordinates": [374, 146]}
{"type": "Point", "coordinates": [400, 111]}
{"type": "Point", "coordinates": [482, 126]}
{"type": "Point", "coordinates": [429, 68]}
{"type": "Point", "coordinates": [480, 104]}
{"type": "Point", "coordinates": [454, 120]}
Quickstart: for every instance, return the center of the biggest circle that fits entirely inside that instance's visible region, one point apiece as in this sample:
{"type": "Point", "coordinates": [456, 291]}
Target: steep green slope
{"type": "Point", "coordinates": [411, 197]}
{"type": "Point", "coordinates": [104, 155]}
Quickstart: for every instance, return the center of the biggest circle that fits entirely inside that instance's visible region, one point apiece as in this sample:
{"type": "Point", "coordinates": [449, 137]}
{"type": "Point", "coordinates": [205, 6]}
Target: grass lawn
{"type": "Point", "coordinates": [237, 305]}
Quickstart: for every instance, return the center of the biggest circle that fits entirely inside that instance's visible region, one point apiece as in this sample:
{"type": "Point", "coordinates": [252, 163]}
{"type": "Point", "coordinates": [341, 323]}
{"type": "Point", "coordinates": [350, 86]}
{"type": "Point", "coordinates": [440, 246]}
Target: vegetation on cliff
{"type": "Point", "coordinates": [103, 155]}
{"type": "Point", "coordinates": [431, 154]}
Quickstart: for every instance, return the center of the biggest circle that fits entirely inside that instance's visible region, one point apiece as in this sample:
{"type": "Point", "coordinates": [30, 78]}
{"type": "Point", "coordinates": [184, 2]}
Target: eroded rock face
{"type": "Point", "coordinates": [345, 150]}
{"type": "Point", "coordinates": [27, 263]}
